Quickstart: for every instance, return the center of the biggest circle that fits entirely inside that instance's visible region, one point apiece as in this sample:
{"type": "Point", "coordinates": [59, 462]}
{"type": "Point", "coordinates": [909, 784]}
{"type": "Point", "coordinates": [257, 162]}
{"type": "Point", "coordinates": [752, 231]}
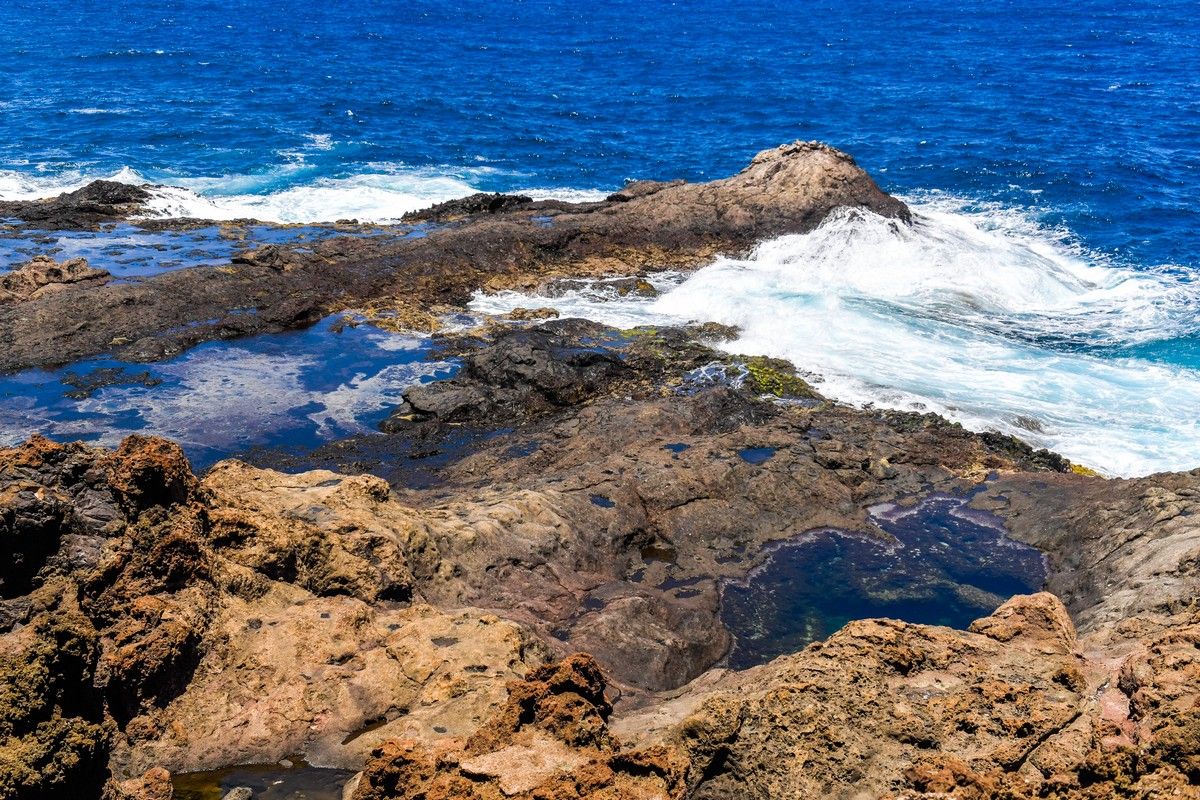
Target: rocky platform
{"type": "Point", "coordinates": [589, 494]}
{"type": "Point", "coordinates": [462, 246]}
{"type": "Point", "coordinates": [516, 591]}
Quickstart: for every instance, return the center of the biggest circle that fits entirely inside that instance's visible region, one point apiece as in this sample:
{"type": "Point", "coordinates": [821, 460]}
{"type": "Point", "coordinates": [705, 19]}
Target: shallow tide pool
{"type": "Point", "coordinates": [947, 564]}
{"type": "Point", "coordinates": [295, 389]}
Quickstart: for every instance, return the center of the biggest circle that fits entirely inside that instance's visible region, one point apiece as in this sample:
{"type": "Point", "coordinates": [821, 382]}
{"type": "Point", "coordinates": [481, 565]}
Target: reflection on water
{"type": "Point", "coordinates": [947, 565]}
{"type": "Point", "coordinates": [128, 251]}
{"type": "Point", "coordinates": [295, 389]}
{"type": "Point", "coordinates": [292, 779]}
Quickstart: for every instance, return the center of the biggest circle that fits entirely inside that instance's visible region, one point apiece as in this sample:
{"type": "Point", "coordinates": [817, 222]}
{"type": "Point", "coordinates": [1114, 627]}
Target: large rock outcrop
{"type": "Point", "coordinates": [790, 189]}
{"type": "Point", "coordinates": [84, 208]}
{"type": "Point", "coordinates": [151, 619]}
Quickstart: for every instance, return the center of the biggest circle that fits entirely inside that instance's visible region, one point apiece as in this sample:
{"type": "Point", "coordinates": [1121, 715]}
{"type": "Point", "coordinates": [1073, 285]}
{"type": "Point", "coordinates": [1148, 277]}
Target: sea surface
{"type": "Point", "coordinates": [1051, 153]}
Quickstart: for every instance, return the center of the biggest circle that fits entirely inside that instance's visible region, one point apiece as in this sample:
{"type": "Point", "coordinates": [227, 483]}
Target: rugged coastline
{"type": "Point", "coordinates": [516, 590]}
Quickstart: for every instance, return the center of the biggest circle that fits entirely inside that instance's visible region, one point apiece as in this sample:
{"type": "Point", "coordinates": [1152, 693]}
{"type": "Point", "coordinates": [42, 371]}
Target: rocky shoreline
{"type": "Point", "coordinates": [516, 590]}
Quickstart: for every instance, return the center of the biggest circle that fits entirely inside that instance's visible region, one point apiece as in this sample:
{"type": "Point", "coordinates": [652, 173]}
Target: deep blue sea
{"type": "Point", "coordinates": [1052, 152]}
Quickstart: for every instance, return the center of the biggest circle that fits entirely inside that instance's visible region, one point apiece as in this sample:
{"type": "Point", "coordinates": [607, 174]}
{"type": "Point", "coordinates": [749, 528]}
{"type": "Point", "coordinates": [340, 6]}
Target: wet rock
{"type": "Point", "coordinates": [530, 314]}
{"type": "Point", "coordinates": [790, 189]}
{"type": "Point", "coordinates": [618, 287]}
{"type": "Point", "coordinates": [523, 372]}
{"type": "Point", "coordinates": [85, 208]}
{"type": "Point", "coordinates": [85, 385]}
{"type": "Point", "coordinates": [43, 276]}
{"type": "Point", "coordinates": [480, 203]}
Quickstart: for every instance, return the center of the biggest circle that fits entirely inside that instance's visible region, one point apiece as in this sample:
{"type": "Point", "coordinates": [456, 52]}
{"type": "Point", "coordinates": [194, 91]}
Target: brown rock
{"type": "Point", "coordinates": [549, 741]}
{"type": "Point", "coordinates": [155, 784]}
{"type": "Point", "coordinates": [43, 276]}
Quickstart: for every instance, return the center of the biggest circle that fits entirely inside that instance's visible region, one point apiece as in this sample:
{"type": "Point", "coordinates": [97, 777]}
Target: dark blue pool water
{"type": "Point", "coordinates": [292, 390]}
{"type": "Point", "coordinates": [948, 565]}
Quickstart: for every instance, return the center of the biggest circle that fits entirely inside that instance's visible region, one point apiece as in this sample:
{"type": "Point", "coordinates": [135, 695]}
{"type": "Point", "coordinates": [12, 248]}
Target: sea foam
{"type": "Point", "coordinates": [287, 194]}
{"type": "Point", "coordinates": [979, 314]}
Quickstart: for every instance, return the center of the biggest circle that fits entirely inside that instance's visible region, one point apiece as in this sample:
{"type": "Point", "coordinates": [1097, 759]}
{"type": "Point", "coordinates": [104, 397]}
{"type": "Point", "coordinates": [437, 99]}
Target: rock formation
{"type": "Point", "coordinates": [786, 190]}
{"type": "Point", "coordinates": [516, 590]}
{"type": "Point", "coordinates": [43, 276]}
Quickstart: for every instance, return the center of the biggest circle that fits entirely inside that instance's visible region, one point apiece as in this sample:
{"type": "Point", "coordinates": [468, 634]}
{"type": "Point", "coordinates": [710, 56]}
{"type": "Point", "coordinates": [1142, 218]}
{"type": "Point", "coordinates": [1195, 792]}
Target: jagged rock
{"type": "Point", "coordinates": [42, 276]}
{"type": "Point", "coordinates": [550, 740]}
{"type": "Point", "coordinates": [155, 784]}
{"type": "Point", "coordinates": [54, 736]}
{"type": "Point", "coordinates": [269, 255]}
{"type": "Point", "coordinates": [86, 208]}
{"type": "Point", "coordinates": [522, 373]}
{"type": "Point", "coordinates": [790, 189]}
{"type": "Point", "coordinates": [887, 709]}
{"type": "Point", "coordinates": [479, 203]}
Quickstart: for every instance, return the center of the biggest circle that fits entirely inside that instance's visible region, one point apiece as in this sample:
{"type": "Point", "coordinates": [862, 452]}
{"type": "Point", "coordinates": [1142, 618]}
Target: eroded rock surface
{"type": "Point", "coordinates": [85, 208]}
{"type": "Point", "coordinates": [1013, 708]}
{"type": "Point", "coordinates": [43, 276]}
{"type": "Point", "coordinates": [550, 740]}
{"type": "Point", "coordinates": [790, 189]}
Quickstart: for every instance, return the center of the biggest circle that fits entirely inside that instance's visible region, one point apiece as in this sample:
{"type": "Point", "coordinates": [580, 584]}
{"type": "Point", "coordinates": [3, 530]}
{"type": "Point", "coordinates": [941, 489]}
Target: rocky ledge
{"type": "Point", "coordinates": [581, 490]}
{"type": "Point", "coordinates": [456, 249]}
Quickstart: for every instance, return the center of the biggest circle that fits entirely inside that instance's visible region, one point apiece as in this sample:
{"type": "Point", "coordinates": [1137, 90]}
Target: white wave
{"type": "Point", "coordinates": [981, 315]}
{"type": "Point", "coordinates": [327, 200]}
{"type": "Point", "coordinates": [282, 195]}
{"type": "Point", "coordinates": [17, 185]}
{"type": "Point", "coordinates": [94, 111]}
{"type": "Point", "coordinates": [371, 198]}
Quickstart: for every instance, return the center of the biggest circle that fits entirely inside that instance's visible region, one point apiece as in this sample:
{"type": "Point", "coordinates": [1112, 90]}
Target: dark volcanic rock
{"type": "Point", "coordinates": [790, 189]}
{"type": "Point", "coordinates": [86, 208]}
{"type": "Point", "coordinates": [480, 203]}
{"type": "Point", "coordinates": [521, 374]}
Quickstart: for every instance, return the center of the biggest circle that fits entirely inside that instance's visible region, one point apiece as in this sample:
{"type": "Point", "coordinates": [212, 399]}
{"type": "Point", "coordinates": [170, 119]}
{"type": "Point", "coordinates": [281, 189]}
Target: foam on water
{"type": "Point", "coordinates": [977, 313]}
{"type": "Point", "coordinates": [290, 193]}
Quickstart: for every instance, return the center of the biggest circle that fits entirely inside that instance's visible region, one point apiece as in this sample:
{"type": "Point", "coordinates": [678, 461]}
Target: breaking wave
{"type": "Point", "coordinates": [978, 313]}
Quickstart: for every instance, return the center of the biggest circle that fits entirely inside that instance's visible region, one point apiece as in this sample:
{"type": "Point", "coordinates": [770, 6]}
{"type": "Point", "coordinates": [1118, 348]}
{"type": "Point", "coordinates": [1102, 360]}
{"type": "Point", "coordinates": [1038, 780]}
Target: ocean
{"type": "Point", "coordinates": [1051, 153]}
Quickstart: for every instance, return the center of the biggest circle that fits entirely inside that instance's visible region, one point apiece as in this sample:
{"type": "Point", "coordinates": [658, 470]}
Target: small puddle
{"type": "Point", "coordinates": [289, 390]}
{"type": "Point", "coordinates": [949, 565]}
{"type": "Point", "coordinates": [757, 455]}
{"type": "Point", "coordinates": [267, 782]}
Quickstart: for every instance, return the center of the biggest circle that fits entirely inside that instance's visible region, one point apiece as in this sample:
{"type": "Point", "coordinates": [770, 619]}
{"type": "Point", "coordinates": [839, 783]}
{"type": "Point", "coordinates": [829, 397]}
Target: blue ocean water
{"type": "Point", "coordinates": [1053, 152]}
